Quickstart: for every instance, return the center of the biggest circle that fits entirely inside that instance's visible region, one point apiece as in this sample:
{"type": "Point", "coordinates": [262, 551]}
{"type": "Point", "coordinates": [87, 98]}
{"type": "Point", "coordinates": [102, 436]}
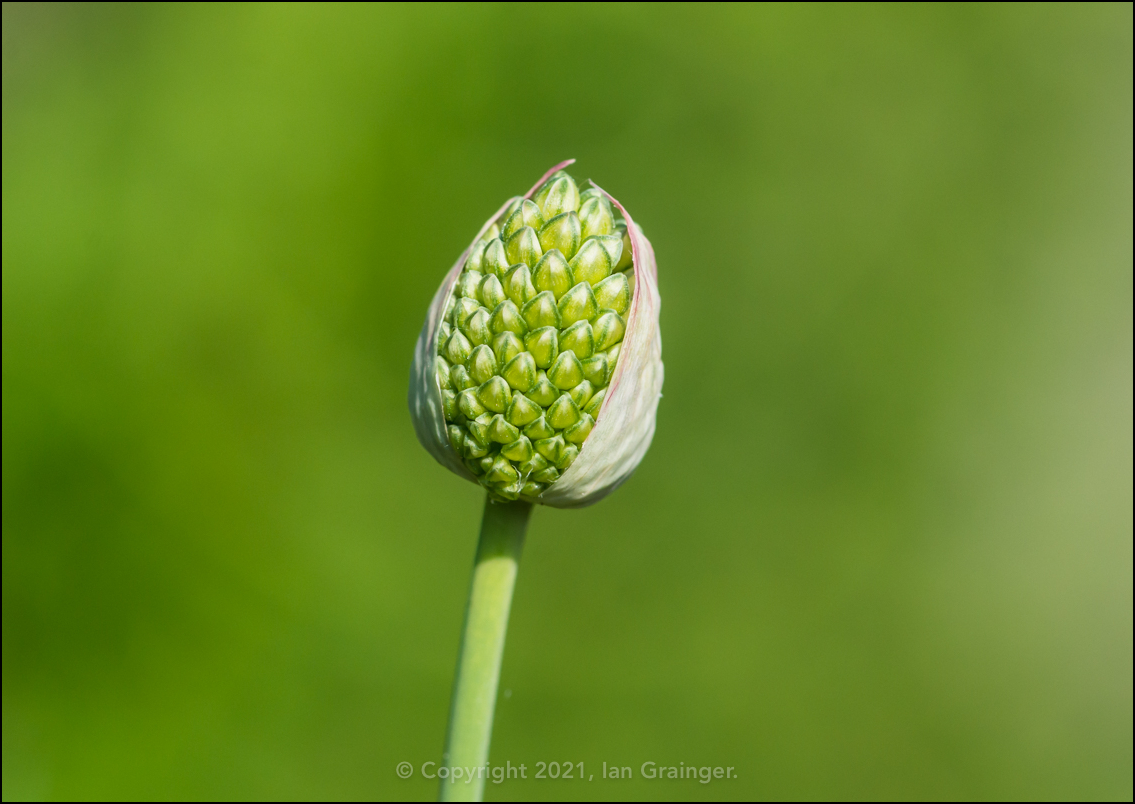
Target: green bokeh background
{"type": "Point", "coordinates": [881, 546]}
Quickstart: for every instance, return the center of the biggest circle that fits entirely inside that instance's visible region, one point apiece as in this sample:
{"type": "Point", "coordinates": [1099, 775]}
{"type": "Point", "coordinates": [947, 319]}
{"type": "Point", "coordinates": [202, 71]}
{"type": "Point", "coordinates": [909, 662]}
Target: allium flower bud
{"type": "Point", "coordinates": [539, 368]}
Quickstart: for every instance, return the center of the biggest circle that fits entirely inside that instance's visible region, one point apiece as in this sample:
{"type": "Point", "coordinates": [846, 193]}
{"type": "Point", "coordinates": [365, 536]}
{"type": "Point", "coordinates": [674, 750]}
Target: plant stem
{"type": "Point", "coordinates": [482, 644]}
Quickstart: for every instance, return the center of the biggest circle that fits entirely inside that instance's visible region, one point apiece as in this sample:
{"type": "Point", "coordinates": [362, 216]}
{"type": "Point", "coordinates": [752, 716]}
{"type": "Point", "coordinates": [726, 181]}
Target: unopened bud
{"type": "Point", "coordinates": [506, 346]}
{"type": "Point", "coordinates": [578, 304]}
{"type": "Point", "coordinates": [541, 311]}
{"type": "Point", "coordinates": [495, 260]}
{"type": "Point", "coordinates": [591, 264]}
{"type": "Point", "coordinates": [491, 292]}
{"type": "Point", "coordinates": [506, 318]}
{"type": "Point", "coordinates": [523, 247]}
{"type": "Point", "coordinates": [579, 338]}
{"type": "Point", "coordinates": [552, 274]}
{"type": "Point", "coordinates": [559, 195]}
{"type": "Point", "coordinates": [520, 373]}
{"type": "Point", "coordinates": [518, 284]}
{"type": "Point", "coordinates": [609, 329]}
{"type": "Point", "coordinates": [543, 393]}
{"type": "Point", "coordinates": [566, 372]}
{"type": "Point", "coordinates": [524, 213]}
{"type": "Point", "coordinates": [614, 293]}
{"type": "Point", "coordinates": [539, 369]}
{"type": "Point", "coordinates": [482, 364]}
{"type": "Point", "coordinates": [613, 245]}
{"type": "Point", "coordinates": [562, 233]}
{"type": "Point", "coordinates": [595, 216]}
{"type": "Point", "coordinates": [544, 345]}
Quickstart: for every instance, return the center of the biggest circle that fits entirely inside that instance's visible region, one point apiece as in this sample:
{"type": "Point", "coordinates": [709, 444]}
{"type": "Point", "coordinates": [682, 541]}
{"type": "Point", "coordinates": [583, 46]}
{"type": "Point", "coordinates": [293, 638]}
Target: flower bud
{"type": "Point", "coordinates": [591, 264]}
{"type": "Point", "coordinates": [562, 233]}
{"type": "Point", "coordinates": [538, 371]}
{"type": "Point", "coordinates": [595, 215]}
{"type": "Point", "coordinates": [526, 213]}
{"type": "Point", "coordinates": [553, 274]}
{"type": "Point", "coordinates": [523, 247]}
{"type": "Point", "coordinates": [559, 194]}
{"type": "Point", "coordinates": [495, 260]}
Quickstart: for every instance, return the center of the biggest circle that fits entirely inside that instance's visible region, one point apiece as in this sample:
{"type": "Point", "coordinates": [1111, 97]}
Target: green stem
{"type": "Point", "coordinates": [482, 644]}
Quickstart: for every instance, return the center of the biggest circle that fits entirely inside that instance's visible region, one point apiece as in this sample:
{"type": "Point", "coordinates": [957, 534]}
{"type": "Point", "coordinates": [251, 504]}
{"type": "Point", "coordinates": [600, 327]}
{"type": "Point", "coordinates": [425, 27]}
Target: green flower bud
{"type": "Point", "coordinates": [613, 356]}
{"type": "Point", "coordinates": [591, 263]}
{"type": "Point", "coordinates": [543, 393]}
{"type": "Point", "coordinates": [562, 233]}
{"type": "Point", "coordinates": [609, 329]}
{"type": "Point", "coordinates": [490, 293]}
{"type": "Point", "coordinates": [614, 293]}
{"type": "Point", "coordinates": [553, 274]}
{"type": "Point", "coordinates": [624, 260]}
{"type": "Point", "coordinates": [612, 244]}
{"type": "Point", "coordinates": [541, 311]}
{"type": "Point", "coordinates": [520, 373]}
{"type": "Point", "coordinates": [502, 472]}
{"type": "Point", "coordinates": [458, 348]}
{"type": "Point", "coordinates": [518, 285]}
{"type": "Point", "coordinates": [523, 247]}
{"type": "Point", "coordinates": [563, 412]}
{"type": "Point", "coordinates": [578, 432]}
{"type": "Point", "coordinates": [501, 431]}
{"type": "Point", "coordinates": [506, 346]}
{"type": "Point", "coordinates": [524, 213]}
{"type": "Point", "coordinates": [592, 408]}
{"type": "Point", "coordinates": [551, 448]}
{"type": "Point", "coordinates": [442, 368]}
{"type": "Point", "coordinates": [506, 318]}
{"type": "Point", "coordinates": [559, 195]}
{"type": "Point", "coordinates": [522, 411]}
{"type": "Point", "coordinates": [459, 377]}
{"type": "Point", "coordinates": [592, 192]}
{"type": "Point", "coordinates": [495, 260]}
{"type": "Point", "coordinates": [549, 474]}
{"type": "Point", "coordinates": [468, 404]}
{"type": "Point", "coordinates": [522, 342]}
{"type": "Point", "coordinates": [476, 255]}
{"type": "Point", "coordinates": [482, 364]}
{"type": "Point", "coordinates": [566, 372]}
{"type": "Point", "coordinates": [579, 338]}
{"type": "Point", "coordinates": [567, 457]}
{"type": "Point", "coordinates": [537, 463]}
{"type": "Point", "coordinates": [479, 430]}
{"type": "Point", "coordinates": [494, 394]}
{"type": "Point", "coordinates": [449, 405]}
{"type": "Point", "coordinates": [544, 345]}
{"type": "Point", "coordinates": [578, 304]}
{"type": "Point", "coordinates": [595, 216]}
{"type": "Point", "coordinates": [468, 284]}
{"type": "Point", "coordinates": [518, 451]}
{"type": "Point", "coordinates": [476, 327]}
{"type": "Point", "coordinates": [582, 393]}
{"type": "Point", "coordinates": [463, 310]}
{"type": "Point", "coordinates": [596, 370]}
{"type": "Point", "coordinates": [539, 429]}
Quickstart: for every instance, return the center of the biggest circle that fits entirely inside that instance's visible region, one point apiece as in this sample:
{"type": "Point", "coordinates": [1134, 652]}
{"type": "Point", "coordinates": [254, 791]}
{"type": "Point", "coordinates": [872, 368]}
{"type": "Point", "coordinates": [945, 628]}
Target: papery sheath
{"type": "Point", "coordinates": [625, 426]}
{"type": "Point", "coordinates": [425, 395]}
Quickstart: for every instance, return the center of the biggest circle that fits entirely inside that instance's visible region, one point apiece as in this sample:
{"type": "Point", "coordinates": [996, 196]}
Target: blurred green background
{"type": "Point", "coordinates": [881, 546]}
